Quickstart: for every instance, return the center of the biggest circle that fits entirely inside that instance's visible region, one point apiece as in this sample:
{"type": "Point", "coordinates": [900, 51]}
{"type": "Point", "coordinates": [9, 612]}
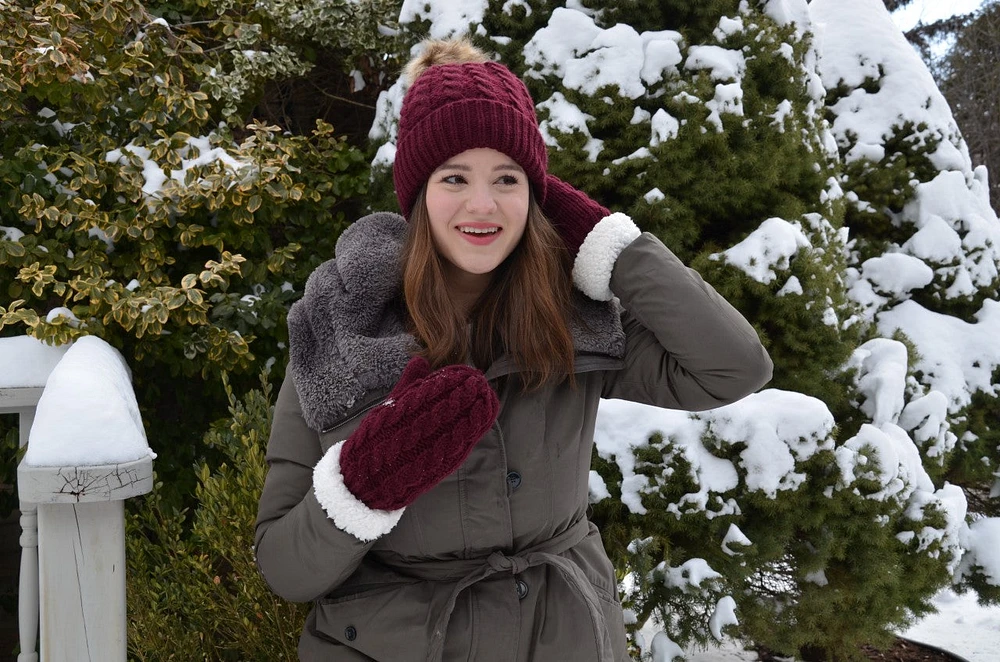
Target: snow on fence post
{"type": "Point", "coordinates": [86, 454]}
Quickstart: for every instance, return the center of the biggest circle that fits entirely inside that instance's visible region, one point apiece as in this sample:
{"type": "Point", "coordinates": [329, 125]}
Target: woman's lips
{"type": "Point", "coordinates": [480, 238]}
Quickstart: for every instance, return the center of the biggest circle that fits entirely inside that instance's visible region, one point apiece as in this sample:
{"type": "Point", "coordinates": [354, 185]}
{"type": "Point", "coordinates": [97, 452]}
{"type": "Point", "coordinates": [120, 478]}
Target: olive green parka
{"type": "Point", "coordinates": [498, 562]}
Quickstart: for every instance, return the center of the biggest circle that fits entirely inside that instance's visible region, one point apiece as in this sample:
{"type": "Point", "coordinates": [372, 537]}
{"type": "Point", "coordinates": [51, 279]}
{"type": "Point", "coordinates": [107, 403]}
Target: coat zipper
{"type": "Point", "coordinates": [353, 416]}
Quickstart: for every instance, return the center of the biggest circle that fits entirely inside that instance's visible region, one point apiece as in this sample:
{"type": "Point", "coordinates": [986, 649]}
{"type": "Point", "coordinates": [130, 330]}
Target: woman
{"type": "Point", "coordinates": [430, 454]}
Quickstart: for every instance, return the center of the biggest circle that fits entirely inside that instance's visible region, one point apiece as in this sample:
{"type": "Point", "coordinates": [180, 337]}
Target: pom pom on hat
{"type": "Point", "coordinates": [460, 100]}
{"type": "Point", "coordinates": [455, 51]}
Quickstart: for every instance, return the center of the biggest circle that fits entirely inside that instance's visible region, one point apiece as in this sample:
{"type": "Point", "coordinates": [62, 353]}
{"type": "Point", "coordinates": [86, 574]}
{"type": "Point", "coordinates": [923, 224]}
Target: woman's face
{"type": "Point", "coordinates": [477, 202]}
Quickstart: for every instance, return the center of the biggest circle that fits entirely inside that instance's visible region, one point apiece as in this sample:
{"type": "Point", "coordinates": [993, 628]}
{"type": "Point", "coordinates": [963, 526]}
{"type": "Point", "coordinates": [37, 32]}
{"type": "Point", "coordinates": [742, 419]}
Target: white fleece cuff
{"type": "Point", "coordinates": [598, 253]}
{"type": "Point", "coordinates": [348, 512]}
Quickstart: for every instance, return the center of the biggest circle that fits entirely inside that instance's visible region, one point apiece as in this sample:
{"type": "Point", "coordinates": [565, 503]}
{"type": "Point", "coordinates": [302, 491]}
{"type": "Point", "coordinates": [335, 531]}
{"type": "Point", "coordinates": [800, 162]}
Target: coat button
{"type": "Point", "coordinates": [522, 589]}
{"type": "Point", "coordinates": [514, 480]}
{"type": "Point", "coordinates": [350, 633]}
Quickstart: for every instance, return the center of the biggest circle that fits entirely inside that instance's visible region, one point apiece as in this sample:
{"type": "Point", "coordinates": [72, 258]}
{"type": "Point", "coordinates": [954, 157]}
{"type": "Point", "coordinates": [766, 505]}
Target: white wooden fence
{"type": "Point", "coordinates": [71, 593]}
{"type": "Point", "coordinates": [22, 401]}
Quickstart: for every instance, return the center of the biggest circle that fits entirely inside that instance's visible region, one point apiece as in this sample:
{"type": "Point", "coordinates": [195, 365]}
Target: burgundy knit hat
{"type": "Point", "coordinates": [453, 107]}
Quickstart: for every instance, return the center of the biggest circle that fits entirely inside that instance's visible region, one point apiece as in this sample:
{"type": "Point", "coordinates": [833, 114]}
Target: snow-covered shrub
{"type": "Point", "coordinates": [800, 158]}
{"type": "Point", "coordinates": [757, 507]}
{"type": "Point", "coordinates": [193, 585]}
{"type": "Point", "coordinates": [129, 211]}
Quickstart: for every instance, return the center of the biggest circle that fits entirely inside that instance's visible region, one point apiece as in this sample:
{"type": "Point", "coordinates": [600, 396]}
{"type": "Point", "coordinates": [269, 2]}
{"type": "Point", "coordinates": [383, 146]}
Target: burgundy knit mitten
{"type": "Point", "coordinates": [572, 212]}
{"type": "Point", "coordinates": [422, 433]}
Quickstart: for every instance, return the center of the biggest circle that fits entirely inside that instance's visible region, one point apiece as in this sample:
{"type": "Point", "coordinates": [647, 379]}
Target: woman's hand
{"type": "Point", "coordinates": [593, 235]}
{"type": "Point", "coordinates": [421, 433]}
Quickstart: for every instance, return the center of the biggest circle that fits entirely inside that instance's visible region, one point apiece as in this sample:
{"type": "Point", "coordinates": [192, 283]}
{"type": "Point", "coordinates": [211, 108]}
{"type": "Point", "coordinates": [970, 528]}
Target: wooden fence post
{"type": "Point", "coordinates": [81, 556]}
{"type": "Point", "coordinates": [72, 583]}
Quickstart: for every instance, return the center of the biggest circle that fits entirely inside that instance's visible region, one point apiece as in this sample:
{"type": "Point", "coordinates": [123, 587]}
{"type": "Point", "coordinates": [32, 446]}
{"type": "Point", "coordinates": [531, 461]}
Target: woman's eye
{"type": "Point", "coordinates": [509, 180]}
{"type": "Point", "coordinates": [453, 179]}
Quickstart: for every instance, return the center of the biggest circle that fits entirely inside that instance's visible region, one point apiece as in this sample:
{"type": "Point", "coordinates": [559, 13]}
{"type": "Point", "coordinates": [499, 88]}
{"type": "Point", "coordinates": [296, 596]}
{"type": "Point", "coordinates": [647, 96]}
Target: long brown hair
{"type": "Point", "coordinates": [524, 312]}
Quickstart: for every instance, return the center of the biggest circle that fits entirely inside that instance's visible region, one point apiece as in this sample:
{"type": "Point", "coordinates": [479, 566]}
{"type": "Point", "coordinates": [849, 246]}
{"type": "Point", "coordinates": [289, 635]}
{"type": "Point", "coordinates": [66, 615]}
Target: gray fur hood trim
{"type": "Point", "coordinates": [348, 337]}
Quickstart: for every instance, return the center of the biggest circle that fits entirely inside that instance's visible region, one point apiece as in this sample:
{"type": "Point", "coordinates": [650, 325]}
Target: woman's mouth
{"type": "Point", "coordinates": [480, 235]}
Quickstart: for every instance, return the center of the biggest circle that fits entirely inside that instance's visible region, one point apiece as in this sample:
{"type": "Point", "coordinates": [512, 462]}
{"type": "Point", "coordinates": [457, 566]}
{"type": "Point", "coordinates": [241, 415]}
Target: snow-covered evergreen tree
{"type": "Point", "coordinates": [925, 253]}
{"type": "Point", "coordinates": [799, 156]}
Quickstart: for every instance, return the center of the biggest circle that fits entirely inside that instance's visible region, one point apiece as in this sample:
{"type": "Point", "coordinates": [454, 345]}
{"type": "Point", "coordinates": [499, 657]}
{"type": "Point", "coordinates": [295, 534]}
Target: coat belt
{"type": "Point", "coordinates": [470, 571]}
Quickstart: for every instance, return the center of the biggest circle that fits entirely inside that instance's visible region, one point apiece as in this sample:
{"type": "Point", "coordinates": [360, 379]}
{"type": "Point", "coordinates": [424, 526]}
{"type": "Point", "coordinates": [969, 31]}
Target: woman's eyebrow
{"type": "Point", "coordinates": [466, 168]}
{"type": "Point", "coordinates": [453, 166]}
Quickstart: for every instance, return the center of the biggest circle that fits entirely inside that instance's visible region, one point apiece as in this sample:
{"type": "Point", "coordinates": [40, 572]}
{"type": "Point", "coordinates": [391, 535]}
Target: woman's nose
{"type": "Point", "coordinates": [480, 200]}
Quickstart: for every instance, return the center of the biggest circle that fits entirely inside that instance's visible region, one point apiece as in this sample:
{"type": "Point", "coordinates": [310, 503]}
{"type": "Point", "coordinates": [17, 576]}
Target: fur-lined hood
{"type": "Point", "coordinates": [348, 337]}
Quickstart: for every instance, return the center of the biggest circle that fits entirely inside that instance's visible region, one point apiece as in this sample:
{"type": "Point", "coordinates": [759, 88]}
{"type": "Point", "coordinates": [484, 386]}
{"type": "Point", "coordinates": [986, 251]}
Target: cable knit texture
{"type": "Point", "coordinates": [421, 433]}
{"type": "Point", "coordinates": [598, 254]}
{"type": "Point", "coordinates": [572, 211]}
{"type": "Point", "coordinates": [348, 513]}
{"type": "Point", "coordinates": [451, 108]}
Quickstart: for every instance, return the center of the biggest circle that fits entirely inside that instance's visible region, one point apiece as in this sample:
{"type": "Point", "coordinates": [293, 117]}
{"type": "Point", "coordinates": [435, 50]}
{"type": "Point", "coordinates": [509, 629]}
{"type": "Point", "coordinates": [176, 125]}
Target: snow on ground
{"type": "Point", "coordinates": [960, 626]}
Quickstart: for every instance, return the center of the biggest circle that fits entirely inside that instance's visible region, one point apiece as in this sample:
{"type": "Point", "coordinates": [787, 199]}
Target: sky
{"type": "Point", "coordinates": [929, 11]}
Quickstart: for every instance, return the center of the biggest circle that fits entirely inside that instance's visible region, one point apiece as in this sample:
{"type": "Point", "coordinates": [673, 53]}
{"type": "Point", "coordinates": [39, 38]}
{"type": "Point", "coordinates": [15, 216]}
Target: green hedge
{"type": "Point", "coordinates": [194, 592]}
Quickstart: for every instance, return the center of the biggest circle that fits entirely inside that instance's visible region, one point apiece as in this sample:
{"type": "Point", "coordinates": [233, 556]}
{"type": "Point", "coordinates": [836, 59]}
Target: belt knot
{"type": "Point", "coordinates": [500, 562]}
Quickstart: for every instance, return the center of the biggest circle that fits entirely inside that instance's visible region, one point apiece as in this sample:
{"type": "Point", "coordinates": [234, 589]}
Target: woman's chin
{"type": "Point", "coordinates": [478, 267]}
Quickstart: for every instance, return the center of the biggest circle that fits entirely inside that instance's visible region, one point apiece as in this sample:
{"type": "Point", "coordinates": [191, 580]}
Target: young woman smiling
{"type": "Point", "coordinates": [430, 454]}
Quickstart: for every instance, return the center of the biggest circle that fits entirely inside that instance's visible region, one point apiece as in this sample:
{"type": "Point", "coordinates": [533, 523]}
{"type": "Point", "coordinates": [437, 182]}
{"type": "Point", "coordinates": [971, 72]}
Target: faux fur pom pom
{"type": "Point", "coordinates": [439, 51]}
